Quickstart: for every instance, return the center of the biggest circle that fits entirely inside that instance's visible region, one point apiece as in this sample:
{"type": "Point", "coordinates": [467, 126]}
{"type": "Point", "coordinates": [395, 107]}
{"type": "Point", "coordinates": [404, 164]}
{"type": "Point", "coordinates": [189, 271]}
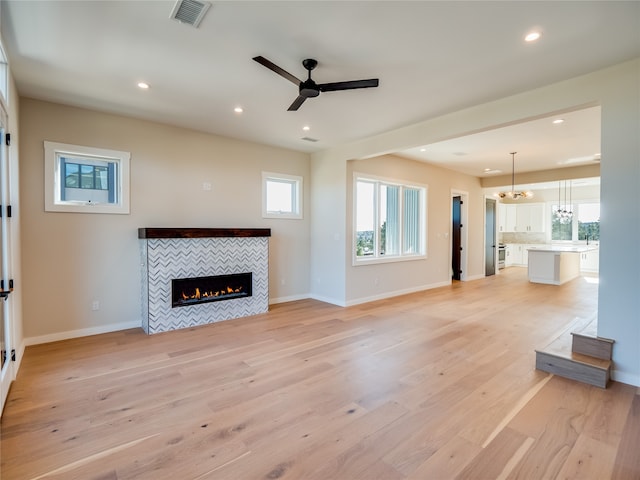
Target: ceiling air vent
{"type": "Point", "coordinates": [309, 139]}
{"type": "Point", "coordinates": [190, 12]}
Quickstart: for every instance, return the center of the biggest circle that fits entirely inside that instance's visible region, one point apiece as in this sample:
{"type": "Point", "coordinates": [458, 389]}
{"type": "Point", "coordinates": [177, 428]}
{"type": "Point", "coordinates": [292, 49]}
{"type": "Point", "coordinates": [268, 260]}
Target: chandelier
{"type": "Point", "coordinates": [515, 194]}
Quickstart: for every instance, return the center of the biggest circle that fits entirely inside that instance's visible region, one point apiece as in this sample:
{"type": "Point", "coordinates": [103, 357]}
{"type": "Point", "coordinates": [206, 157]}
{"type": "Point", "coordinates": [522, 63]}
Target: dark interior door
{"type": "Point", "coordinates": [490, 238]}
{"type": "Point", "coordinates": [456, 245]}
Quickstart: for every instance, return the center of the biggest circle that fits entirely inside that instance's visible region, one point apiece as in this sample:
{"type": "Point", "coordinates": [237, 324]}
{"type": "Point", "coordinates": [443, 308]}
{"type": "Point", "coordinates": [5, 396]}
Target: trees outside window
{"type": "Point", "coordinates": [578, 222]}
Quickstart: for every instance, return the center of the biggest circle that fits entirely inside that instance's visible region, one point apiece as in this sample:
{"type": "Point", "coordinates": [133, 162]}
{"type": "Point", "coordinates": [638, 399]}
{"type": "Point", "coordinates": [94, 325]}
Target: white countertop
{"type": "Point", "coordinates": [564, 248]}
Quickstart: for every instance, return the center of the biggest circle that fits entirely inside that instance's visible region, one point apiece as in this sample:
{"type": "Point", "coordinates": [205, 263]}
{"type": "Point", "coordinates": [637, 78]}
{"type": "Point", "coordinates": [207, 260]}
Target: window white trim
{"type": "Point", "coordinates": [52, 186]}
{"type": "Point", "coordinates": [4, 76]}
{"type": "Point", "coordinates": [296, 184]}
{"type": "Point", "coordinates": [401, 256]}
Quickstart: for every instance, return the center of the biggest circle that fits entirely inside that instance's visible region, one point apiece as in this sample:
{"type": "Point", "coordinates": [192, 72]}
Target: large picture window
{"type": "Point", "coordinates": [581, 224]}
{"type": "Point", "coordinates": [389, 220]}
{"type": "Point", "coordinates": [85, 179]}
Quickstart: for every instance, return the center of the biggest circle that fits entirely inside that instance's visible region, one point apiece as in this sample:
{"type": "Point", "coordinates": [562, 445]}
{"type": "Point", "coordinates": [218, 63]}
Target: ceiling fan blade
{"type": "Point", "coordinates": [296, 103]}
{"type": "Point", "coordinates": [274, 68]}
{"type": "Point", "coordinates": [332, 87]}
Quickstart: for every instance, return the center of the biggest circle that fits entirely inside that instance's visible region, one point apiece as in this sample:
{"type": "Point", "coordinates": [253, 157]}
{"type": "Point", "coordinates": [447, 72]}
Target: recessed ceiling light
{"type": "Point", "coordinates": [558, 121]}
{"type": "Point", "coordinates": [238, 110]}
{"type": "Point", "coordinates": [306, 128]}
{"type": "Point", "coordinates": [532, 37]}
{"type": "Point", "coordinates": [423, 149]}
{"type": "Point", "coordinates": [143, 85]}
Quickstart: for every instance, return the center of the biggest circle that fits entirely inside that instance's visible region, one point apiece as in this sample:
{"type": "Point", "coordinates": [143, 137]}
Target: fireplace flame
{"type": "Point", "coordinates": [197, 295]}
{"type": "Point", "coordinates": [191, 291]}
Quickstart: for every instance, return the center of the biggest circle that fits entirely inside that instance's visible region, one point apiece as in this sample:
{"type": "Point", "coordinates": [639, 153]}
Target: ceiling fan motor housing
{"type": "Point", "coordinates": [309, 89]}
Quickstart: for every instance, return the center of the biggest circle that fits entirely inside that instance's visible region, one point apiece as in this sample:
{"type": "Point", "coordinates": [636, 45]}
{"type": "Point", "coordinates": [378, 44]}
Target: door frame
{"type": "Point", "coordinates": [464, 220]}
{"type": "Point", "coordinates": [496, 270]}
{"type": "Point", "coordinates": [8, 373]}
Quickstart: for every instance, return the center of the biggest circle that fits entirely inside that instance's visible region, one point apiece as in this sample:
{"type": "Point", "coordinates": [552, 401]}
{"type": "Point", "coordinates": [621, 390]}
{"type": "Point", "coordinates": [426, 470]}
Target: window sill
{"type": "Point", "coordinates": [359, 262]}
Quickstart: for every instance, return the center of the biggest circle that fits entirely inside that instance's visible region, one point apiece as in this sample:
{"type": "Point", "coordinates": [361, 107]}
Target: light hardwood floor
{"type": "Point", "coordinates": [433, 385]}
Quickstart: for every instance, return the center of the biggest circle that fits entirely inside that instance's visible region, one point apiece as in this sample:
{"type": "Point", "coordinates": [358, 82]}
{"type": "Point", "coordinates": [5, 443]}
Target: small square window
{"type": "Point", "coordinates": [281, 196]}
{"type": "Point", "coordinates": [85, 179]}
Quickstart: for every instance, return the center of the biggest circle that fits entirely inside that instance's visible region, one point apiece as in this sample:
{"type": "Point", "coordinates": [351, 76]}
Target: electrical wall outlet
{"type": "Point", "coordinates": [95, 305]}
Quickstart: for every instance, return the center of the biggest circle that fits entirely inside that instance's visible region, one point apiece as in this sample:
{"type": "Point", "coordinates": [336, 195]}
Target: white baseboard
{"type": "Point", "coordinates": [625, 378]}
{"type": "Point", "coordinates": [291, 298]}
{"type": "Point", "coordinates": [20, 355]}
{"type": "Point", "coordinates": [332, 301]}
{"type": "Point", "coordinates": [474, 277]}
{"type": "Point", "coordinates": [396, 293]}
{"type": "Point", "coordinates": [83, 332]}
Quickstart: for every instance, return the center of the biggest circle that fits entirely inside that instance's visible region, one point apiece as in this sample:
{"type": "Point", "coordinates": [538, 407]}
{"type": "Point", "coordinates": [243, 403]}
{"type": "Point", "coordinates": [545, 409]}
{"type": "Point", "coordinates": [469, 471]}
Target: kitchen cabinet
{"type": "Point", "coordinates": [553, 266]}
{"type": "Point", "coordinates": [527, 218]}
{"type": "Point", "coordinates": [517, 254]}
{"type": "Point", "coordinates": [509, 254]}
{"type": "Point", "coordinates": [590, 261]}
{"type": "Point", "coordinates": [507, 218]}
{"type": "Point", "coordinates": [530, 218]}
{"type": "Point", "coordinates": [513, 254]}
{"type": "Point", "coordinates": [525, 255]}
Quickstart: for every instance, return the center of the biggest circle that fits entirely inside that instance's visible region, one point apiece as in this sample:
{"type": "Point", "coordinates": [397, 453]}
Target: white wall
{"type": "Point", "coordinates": [71, 259]}
{"type": "Point", "coordinates": [617, 90]}
{"type": "Point", "coordinates": [368, 282]}
{"type": "Point", "coordinates": [619, 301]}
{"type": "Point", "coordinates": [328, 237]}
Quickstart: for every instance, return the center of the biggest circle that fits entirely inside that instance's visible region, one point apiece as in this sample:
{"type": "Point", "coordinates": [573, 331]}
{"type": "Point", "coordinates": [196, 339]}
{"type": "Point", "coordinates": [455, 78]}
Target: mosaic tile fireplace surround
{"type": "Point", "coordinates": [171, 256]}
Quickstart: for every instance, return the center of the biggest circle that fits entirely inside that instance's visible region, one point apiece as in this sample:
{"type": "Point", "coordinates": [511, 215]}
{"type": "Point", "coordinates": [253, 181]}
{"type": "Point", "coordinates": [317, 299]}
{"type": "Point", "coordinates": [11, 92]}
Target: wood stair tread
{"type": "Point", "coordinates": [595, 337]}
{"type": "Point", "coordinates": [579, 355]}
{"type": "Point", "coordinates": [578, 358]}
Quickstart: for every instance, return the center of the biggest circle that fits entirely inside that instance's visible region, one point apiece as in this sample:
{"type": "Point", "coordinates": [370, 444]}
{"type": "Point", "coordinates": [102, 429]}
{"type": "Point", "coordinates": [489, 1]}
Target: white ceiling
{"type": "Point", "coordinates": [431, 58]}
{"type": "Point", "coordinates": [539, 145]}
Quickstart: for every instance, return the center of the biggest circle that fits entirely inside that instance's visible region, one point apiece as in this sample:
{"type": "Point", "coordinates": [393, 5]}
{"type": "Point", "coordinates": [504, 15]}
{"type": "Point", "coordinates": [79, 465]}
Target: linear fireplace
{"type": "Point", "coordinates": [195, 268]}
{"type": "Point", "coordinates": [191, 291]}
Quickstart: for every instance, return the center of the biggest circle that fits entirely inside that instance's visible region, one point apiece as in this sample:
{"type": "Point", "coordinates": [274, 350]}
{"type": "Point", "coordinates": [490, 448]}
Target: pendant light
{"type": "Point", "coordinates": [513, 194]}
{"type": "Point", "coordinates": [564, 213]}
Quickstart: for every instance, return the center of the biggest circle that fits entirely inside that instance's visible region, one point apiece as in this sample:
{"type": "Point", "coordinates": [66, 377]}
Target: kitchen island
{"type": "Point", "coordinates": [555, 265]}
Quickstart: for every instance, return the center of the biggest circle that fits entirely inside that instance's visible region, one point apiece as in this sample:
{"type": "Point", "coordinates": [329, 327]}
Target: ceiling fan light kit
{"type": "Point", "coordinates": [310, 89]}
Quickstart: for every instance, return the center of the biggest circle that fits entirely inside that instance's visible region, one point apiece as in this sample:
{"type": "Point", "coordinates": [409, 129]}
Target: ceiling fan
{"type": "Point", "coordinates": [309, 88]}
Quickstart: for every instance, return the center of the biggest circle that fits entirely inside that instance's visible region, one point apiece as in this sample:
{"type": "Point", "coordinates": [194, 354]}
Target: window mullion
{"type": "Point", "coordinates": [401, 219]}
{"type": "Point", "coordinates": [377, 225]}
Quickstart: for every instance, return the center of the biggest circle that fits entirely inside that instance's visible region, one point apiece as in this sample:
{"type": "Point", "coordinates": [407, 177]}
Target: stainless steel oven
{"type": "Point", "coordinates": [502, 255]}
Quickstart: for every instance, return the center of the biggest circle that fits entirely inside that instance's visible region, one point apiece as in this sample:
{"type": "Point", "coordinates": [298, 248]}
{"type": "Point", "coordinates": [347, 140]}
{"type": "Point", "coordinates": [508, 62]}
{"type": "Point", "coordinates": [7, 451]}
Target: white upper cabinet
{"type": "Point", "coordinates": [530, 218]}
{"type": "Point", "coordinates": [526, 218]}
{"type": "Point", "coordinates": [507, 218]}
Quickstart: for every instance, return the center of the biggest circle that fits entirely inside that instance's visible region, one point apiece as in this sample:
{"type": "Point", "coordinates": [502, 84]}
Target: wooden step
{"type": "Point", "coordinates": [575, 366]}
{"type": "Point", "coordinates": [561, 358]}
{"type": "Point", "coordinates": [593, 346]}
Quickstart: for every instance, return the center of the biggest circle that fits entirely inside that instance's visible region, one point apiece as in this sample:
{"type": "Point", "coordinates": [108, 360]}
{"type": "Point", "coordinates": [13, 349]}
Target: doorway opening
{"type": "Point", "coordinates": [490, 240]}
{"type": "Point", "coordinates": [459, 202]}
